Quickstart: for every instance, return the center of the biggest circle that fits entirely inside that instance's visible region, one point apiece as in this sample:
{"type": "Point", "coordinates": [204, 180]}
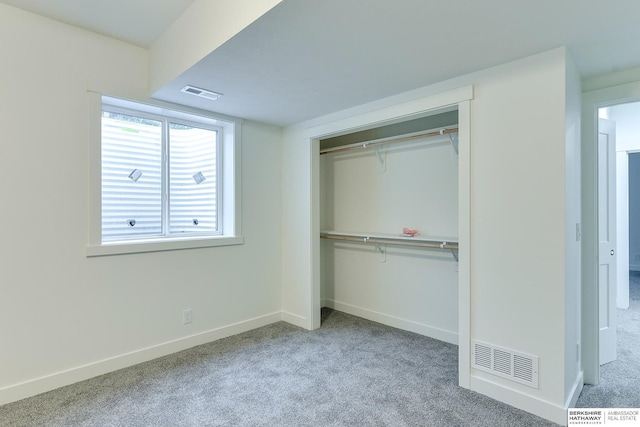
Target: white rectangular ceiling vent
{"type": "Point", "coordinates": [515, 366]}
{"type": "Point", "coordinates": [203, 93]}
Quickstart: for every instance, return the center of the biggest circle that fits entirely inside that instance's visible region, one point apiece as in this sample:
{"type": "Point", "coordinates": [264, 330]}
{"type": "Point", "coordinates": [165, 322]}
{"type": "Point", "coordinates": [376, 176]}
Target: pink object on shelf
{"type": "Point", "coordinates": [409, 232]}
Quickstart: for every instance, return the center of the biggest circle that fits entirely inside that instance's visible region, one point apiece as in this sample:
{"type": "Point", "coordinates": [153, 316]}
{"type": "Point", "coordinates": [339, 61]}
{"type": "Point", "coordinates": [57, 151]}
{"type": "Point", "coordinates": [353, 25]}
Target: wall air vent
{"type": "Point", "coordinates": [203, 93]}
{"type": "Point", "coordinates": [515, 366]}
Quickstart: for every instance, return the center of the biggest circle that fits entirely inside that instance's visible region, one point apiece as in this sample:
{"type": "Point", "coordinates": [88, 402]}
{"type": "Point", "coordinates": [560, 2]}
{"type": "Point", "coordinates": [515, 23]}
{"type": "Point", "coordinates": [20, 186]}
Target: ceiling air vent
{"type": "Point", "coordinates": [518, 367]}
{"type": "Point", "coordinates": [203, 93]}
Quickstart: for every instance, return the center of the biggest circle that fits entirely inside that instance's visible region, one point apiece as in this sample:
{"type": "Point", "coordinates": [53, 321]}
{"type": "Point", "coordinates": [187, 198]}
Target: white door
{"type": "Point", "coordinates": [607, 237]}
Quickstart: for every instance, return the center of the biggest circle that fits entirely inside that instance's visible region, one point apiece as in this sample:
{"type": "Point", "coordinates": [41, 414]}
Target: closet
{"type": "Point", "coordinates": [375, 186]}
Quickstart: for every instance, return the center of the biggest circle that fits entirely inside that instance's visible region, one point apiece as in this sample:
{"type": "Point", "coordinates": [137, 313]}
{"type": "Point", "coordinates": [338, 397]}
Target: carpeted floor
{"type": "Point", "coordinates": [350, 372]}
{"type": "Point", "coordinates": [619, 385]}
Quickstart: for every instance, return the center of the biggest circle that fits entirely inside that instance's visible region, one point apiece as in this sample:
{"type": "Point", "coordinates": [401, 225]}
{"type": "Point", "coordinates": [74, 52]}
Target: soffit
{"type": "Point", "coordinates": [308, 58]}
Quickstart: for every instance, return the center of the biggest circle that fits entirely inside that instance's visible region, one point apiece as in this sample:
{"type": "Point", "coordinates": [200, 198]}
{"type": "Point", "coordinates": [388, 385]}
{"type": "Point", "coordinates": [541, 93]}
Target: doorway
{"type": "Point", "coordinates": [618, 378]}
{"type": "Point", "coordinates": [626, 118]}
{"type": "Point", "coordinates": [619, 353]}
{"type": "Point", "coordinates": [592, 101]}
{"type": "Point", "coordinates": [620, 105]}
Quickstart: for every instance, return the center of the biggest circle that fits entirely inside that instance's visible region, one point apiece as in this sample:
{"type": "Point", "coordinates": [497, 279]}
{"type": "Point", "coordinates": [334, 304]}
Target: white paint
{"type": "Point", "coordinates": [518, 399]}
{"type": "Point", "coordinates": [624, 260]}
{"type": "Point", "coordinates": [99, 367]}
{"type": "Point", "coordinates": [525, 261]}
{"type": "Point", "coordinates": [418, 190]}
{"type": "Point", "coordinates": [627, 142]}
{"type": "Point", "coordinates": [392, 47]}
{"type": "Point", "coordinates": [201, 29]}
{"type": "Point", "coordinates": [303, 61]}
{"type": "Point", "coordinates": [127, 303]}
{"type": "Point", "coordinates": [607, 91]}
{"type": "Point", "coordinates": [609, 80]}
{"type": "Point", "coordinates": [302, 190]}
{"type": "Point", "coordinates": [47, 281]}
{"type": "Point", "coordinates": [516, 272]}
{"type": "Point", "coordinates": [397, 322]}
{"type": "Point", "coordinates": [298, 233]}
{"type": "Point", "coordinates": [139, 22]}
{"type": "Point", "coordinates": [573, 252]}
{"type": "Point", "coordinates": [627, 127]}
{"type": "Point", "coordinates": [607, 236]}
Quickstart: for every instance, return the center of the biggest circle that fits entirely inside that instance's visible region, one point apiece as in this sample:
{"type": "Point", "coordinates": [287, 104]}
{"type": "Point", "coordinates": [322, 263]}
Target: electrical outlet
{"type": "Point", "coordinates": [187, 316]}
{"type": "Point", "coordinates": [578, 232]}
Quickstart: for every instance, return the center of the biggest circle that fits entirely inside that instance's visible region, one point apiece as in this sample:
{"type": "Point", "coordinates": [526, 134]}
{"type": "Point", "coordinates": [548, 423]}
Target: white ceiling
{"type": "Point", "coordinates": [307, 58]}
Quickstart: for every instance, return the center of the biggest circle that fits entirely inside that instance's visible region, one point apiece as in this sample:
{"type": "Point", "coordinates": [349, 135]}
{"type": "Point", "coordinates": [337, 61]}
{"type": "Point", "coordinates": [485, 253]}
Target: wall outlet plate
{"type": "Point", "coordinates": [187, 316]}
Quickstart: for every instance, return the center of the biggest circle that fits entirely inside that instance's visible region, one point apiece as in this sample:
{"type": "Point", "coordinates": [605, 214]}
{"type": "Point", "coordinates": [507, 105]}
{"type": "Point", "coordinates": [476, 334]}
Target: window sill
{"type": "Point", "coordinates": [140, 246]}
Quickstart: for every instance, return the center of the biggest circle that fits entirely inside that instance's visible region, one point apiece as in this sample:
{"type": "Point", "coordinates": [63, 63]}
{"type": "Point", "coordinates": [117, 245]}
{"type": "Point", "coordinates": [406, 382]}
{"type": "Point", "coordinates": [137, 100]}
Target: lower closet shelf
{"type": "Point", "coordinates": [435, 242]}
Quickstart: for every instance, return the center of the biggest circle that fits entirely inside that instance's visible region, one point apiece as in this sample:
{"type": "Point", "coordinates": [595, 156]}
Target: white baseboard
{"type": "Point", "coordinates": [575, 391]}
{"type": "Point", "coordinates": [520, 400]}
{"type": "Point", "coordinates": [396, 322]}
{"type": "Point", "coordinates": [295, 320]}
{"type": "Point", "coordinates": [50, 382]}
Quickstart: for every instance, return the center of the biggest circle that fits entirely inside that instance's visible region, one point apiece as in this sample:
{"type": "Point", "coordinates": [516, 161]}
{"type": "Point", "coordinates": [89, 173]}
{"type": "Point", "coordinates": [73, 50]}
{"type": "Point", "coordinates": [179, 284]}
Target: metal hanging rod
{"type": "Point", "coordinates": [407, 241]}
{"type": "Point", "coordinates": [374, 143]}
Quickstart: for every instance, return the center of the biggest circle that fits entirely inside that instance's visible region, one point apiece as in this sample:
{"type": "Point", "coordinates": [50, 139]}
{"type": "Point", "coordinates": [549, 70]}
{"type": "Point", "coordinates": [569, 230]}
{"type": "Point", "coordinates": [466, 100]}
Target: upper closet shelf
{"type": "Point", "coordinates": [362, 145]}
{"type": "Point", "coordinates": [448, 243]}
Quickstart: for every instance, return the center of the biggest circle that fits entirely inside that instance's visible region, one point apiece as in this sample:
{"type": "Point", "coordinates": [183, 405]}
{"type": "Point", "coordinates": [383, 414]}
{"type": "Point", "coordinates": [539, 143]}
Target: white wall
{"type": "Point", "coordinates": [519, 222]}
{"type": "Point", "coordinates": [414, 288]}
{"type": "Point", "coordinates": [65, 317]}
{"type": "Point", "coordinates": [573, 236]}
{"type": "Point", "coordinates": [623, 260]}
{"type": "Point", "coordinates": [522, 199]}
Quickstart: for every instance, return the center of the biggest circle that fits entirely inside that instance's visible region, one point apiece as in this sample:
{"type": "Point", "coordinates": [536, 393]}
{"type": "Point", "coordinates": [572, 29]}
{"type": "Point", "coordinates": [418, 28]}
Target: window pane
{"type": "Point", "coordinates": [192, 179]}
{"type": "Point", "coordinates": [131, 176]}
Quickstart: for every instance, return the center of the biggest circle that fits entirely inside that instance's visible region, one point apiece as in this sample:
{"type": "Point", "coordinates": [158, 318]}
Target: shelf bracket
{"type": "Point", "coordinates": [454, 142]}
{"type": "Point", "coordinates": [382, 250]}
{"type": "Point", "coordinates": [382, 159]}
{"type": "Point", "coordinates": [454, 252]}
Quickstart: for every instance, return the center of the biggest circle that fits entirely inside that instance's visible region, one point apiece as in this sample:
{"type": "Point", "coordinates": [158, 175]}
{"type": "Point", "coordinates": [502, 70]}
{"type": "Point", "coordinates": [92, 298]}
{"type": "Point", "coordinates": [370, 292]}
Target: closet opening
{"type": "Point", "coordinates": [389, 223]}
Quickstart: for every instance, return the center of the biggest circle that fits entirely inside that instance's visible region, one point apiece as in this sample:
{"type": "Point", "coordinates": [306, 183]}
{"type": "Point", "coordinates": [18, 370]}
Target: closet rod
{"type": "Point", "coordinates": [392, 241]}
{"type": "Point", "coordinates": [444, 131]}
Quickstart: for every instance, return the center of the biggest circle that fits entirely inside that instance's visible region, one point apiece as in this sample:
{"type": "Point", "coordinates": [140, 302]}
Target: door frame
{"type": "Point", "coordinates": [414, 108]}
{"type": "Point", "coordinates": [622, 188]}
{"type": "Point", "coordinates": [591, 102]}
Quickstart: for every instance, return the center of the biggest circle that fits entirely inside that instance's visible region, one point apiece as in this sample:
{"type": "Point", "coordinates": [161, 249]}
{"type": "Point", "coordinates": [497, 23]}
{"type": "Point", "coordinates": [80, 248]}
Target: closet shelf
{"type": "Point", "coordinates": [393, 140]}
{"type": "Point", "coordinates": [448, 243]}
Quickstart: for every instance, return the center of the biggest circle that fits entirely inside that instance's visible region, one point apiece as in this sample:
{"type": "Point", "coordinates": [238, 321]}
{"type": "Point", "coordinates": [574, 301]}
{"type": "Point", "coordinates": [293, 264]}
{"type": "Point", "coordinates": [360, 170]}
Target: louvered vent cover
{"type": "Point", "coordinates": [203, 93]}
{"type": "Point", "coordinates": [518, 367]}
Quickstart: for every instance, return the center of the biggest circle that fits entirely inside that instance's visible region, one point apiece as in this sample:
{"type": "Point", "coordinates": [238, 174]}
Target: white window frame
{"type": "Point", "coordinates": [229, 193]}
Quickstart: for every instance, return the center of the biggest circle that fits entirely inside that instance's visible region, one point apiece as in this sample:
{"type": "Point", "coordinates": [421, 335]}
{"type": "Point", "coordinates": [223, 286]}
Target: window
{"type": "Point", "coordinates": [159, 176]}
{"type": "Point", "coordinates": [167, 180]}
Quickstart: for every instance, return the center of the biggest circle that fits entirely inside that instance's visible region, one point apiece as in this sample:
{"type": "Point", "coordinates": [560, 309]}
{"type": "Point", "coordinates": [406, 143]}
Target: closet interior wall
{"type": "Point", "coordinates": [382, 190]}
